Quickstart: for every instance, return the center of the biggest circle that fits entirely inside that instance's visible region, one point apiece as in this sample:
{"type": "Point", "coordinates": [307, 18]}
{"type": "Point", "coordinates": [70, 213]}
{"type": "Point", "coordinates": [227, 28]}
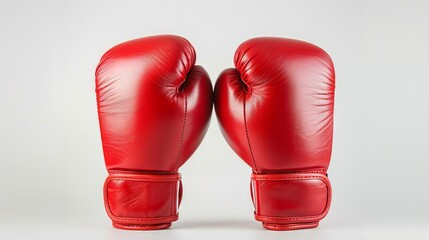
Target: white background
{"type": "Point", "coordinates": [51, 162]}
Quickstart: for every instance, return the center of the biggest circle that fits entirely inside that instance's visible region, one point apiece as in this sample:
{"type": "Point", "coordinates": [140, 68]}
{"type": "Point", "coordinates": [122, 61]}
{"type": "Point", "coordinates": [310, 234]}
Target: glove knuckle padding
{"type": "Point", "coordinates": [135, 78]}
{"type": "Point", "coordinates": [289, 110]}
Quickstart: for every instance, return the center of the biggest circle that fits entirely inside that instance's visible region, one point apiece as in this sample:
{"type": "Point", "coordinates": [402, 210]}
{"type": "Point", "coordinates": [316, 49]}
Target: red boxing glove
{"type": "Point", "coordinates": [276, 112]}
{"type": "Point", "coordinates": [154, 108]}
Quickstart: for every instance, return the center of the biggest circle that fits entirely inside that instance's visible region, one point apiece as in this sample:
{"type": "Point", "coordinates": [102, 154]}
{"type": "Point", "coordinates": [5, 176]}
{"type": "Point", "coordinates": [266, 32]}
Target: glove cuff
{"type": "Point", "coordinates": [142, 201]}
{"type": "Point", "coordinates": [290, 201]}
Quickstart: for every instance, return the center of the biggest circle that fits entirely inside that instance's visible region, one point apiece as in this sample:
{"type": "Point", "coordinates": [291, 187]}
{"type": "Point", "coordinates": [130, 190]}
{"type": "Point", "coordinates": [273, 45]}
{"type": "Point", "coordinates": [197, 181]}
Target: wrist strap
{"type": "Point", "coordinates": [291, 200]}
{"type": "Point", "coordinates": [140, 201]}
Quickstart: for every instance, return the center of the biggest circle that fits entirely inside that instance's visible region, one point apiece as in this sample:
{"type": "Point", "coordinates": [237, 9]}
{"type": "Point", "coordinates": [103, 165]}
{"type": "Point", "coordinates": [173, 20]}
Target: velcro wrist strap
{"type": "Point", "coordinates": [291, 200]}
{"type": "Point", "coordinates": [136, 200]}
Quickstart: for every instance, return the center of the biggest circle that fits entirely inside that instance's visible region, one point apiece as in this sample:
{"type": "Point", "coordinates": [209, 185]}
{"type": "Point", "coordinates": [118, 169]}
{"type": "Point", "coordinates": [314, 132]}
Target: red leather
{"type": "Point", "coordinates": [303, 201]}
{"type": "Point", "coordinates": [275, 109]}
{"type": "Point", "coordinates": [154, 108]}
{"type": "Point", "coordinates": [129, 199]}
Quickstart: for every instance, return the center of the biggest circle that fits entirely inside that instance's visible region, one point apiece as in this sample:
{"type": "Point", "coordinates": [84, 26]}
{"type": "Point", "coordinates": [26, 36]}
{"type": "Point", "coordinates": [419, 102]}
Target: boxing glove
{"type": "Point", "coordinates": [275, 110]}
{"type": "Point", "coordinates": [154, 107]}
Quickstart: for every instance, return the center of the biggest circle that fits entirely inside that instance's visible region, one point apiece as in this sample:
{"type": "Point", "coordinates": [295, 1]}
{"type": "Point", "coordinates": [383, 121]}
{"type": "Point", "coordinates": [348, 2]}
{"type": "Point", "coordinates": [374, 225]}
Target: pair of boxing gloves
{"type": "Point", "coordinates": [275, 109]}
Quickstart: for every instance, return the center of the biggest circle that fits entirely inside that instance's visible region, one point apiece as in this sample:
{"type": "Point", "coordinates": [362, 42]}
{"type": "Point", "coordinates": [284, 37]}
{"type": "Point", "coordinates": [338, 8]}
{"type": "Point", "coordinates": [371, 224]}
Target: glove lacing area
{"type": "Point", "coordinates": [290, 201]}
{"type": "Point", "coordinates": [142, 201]}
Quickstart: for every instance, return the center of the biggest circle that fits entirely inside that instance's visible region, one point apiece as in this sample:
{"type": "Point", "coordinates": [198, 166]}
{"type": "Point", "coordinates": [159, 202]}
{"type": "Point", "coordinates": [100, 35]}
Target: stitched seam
{"type": "Point", "coordinates": [137, 226]}
{"type": "Point", "coordinates": [145, 179]}
{"type": "Point", "coordinates": [183, 130]}
{"type": "Point", "coordinates": [247, 134]}
{"type": "Point", "coordinates": [142, 172]}
{"type": "Point", "coordinates": [145, 220]}
{"type": "Point", "coordinates": [321, 171]}
{"type": "Point", "coordinates": [287, 219]}
{"type": "Point", "coordinates": [288, 178]}
{"type": "Point", "coordinates": [142, 178]}
{"type": "Point", "coordinates": [291, 225]}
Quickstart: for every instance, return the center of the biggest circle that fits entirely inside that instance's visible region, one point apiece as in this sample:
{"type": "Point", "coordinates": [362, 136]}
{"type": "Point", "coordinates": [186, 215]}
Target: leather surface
{"type": "Point", "coordinates": [292, 200]}
{"type": "Point", "coordinates": [275, 109]}
{"type": "Point", "coordinates": [136, 199]}
{"type": "Point", "coordinates": [154, 107]}
{"type": "Point", "coordinates": [132, 195]}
